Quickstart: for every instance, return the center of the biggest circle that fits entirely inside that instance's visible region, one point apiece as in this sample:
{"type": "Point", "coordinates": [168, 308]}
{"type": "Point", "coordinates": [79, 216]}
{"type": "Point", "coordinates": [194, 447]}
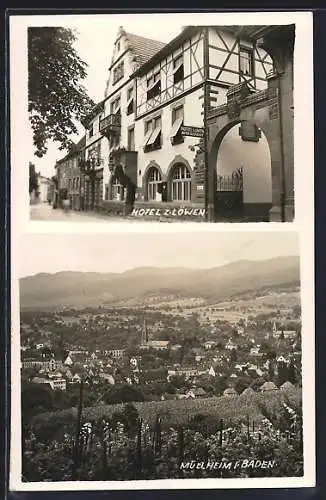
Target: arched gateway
{"type": "Point", "coordinates": [269, 112]}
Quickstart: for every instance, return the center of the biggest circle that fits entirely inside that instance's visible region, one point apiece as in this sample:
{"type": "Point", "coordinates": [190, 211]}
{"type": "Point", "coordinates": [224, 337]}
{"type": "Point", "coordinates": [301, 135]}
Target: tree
{"type": "Point", "coordinates": [33, 180]}
{"type": "Point", "coordinates": [56, 99]}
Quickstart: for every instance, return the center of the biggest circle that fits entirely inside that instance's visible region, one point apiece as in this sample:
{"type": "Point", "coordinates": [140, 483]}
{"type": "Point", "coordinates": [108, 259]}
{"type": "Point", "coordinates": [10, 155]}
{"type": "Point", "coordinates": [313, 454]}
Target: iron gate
{"type": "Point", "coordinates": [229, 195]}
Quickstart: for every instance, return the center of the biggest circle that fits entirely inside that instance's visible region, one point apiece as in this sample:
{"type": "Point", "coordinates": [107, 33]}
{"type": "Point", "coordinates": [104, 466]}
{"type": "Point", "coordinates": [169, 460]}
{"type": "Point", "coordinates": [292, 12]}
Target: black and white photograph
{"type": "Point", "coordinates": [161, 356]}
{"type": "Point", "coordinates": [139, 120]}
{"type": "Point", "coordinates": [158, 364]}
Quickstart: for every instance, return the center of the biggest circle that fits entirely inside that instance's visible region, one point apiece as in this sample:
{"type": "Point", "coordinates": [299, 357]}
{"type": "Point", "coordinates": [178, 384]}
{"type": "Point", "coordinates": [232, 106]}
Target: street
{"type": "Point", "coordinates": [43, 211]}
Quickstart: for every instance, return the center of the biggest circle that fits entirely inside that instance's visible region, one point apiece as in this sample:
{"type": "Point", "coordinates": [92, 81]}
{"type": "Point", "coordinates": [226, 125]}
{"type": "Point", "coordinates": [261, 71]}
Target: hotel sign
{"type": "Point", "coordinates": [192, 131]}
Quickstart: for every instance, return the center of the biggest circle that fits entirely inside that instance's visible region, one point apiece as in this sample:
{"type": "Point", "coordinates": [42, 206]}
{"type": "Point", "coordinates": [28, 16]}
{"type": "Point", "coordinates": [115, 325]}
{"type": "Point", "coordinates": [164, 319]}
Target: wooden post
{"type": "Point", "coordinates": [221, 433]}
{"type": "Point", "coordinates": [248, 428]}
{"type": "Point", "coordinates": [76, 448]}
{"type": "Point", "coordinates": [181, 450]}
{"type": "Point", "coordinates": [158, 436]}
{"type": "Point", "coordinates": [138, 453]}
{"type": "Point", "coordinates": [105, 460]}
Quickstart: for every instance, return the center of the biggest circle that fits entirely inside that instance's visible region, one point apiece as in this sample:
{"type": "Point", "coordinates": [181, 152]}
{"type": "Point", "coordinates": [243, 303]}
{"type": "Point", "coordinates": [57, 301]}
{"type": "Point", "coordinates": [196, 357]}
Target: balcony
{"type": "Point", "coordinates": [110, 125]}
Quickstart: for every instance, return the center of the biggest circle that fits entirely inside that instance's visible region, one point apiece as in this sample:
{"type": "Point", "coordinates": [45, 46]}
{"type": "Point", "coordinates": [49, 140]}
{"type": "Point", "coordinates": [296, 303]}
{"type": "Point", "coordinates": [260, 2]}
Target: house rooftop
{"type": "Point", "coordinates": [143, 48]}
{"type": "Point", "coordinates": [166, 49]}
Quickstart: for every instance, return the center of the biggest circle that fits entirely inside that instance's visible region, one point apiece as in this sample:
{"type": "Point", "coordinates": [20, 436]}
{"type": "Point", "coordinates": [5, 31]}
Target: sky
{"type": "Point", "coordinates": [118, 252]}
{"type": "Point", "coordinates": [96, 36]}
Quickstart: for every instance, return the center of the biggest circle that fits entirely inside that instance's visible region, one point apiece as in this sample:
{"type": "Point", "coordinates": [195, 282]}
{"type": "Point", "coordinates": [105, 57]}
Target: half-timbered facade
{"type": "Point", "coordinates": [137, 152]}
{"type": "Point", "coordinates": [192, 73]}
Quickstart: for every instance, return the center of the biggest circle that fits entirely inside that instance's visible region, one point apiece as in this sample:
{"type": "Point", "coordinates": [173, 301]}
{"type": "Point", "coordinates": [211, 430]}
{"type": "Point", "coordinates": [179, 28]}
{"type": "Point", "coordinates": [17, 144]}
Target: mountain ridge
{"type": "Point", "coordinates": [77, 288]}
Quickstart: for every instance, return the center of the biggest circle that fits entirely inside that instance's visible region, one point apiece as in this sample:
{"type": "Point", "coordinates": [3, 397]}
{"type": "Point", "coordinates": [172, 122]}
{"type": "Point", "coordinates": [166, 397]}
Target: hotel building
{"type": "Point", "coordinates": [199, 122]}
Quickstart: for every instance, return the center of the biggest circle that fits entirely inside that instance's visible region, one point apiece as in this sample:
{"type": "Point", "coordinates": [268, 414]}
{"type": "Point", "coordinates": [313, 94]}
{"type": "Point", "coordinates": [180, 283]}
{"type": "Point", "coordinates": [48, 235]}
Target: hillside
{"type": "Point", "coordinates": [77, 289]}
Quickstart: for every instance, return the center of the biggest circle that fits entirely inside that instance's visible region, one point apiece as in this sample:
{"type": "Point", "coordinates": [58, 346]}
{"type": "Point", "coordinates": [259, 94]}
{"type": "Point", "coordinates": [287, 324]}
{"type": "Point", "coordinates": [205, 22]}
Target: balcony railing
{"type": "Point", "coordinates": [111, 123]}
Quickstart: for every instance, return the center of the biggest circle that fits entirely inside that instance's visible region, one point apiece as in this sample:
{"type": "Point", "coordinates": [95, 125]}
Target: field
{"type": "Point", "coordinates": [179, 412]}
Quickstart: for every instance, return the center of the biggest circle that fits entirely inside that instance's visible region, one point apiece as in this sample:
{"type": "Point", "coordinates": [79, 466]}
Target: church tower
{"type": "Point", "coordinates": [144, 336]}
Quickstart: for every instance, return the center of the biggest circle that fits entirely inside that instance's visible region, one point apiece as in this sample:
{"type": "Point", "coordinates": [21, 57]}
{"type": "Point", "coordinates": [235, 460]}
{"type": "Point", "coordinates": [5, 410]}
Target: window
{"type": "Point", "coordinates": [153, 181]}
{"type": "Point", "coordinates": [91, 131]}
{"type": "Point", "coordinates": [153, 134]}
{"type": "Point", "coordinates": [131, 139]}
{"type": "Point", "coordinates": [130, 93]}
{"type": "Point", "coordinates": [177, 121]}
{"type": "Point", "coordinates": [130, 101]}
{"type": "Point", "coordinates": [178, 74]}
{"type": "Point", "coordinates": [147, 131]}
{"type": "Point", "coordinates": [77, 183]}
{"type": "Point", "coordinates": [115, 106]}
{"type": "Point", "coordinates": [153, 86]}
{"type": "Point", "coordinates": [117, 191]}
{"type": "Point", "coordinates": [118, 72]}
{"type": "Point", "coordinates": [181, 183]}
{"type": "Point", "coordinates": [246, 62]}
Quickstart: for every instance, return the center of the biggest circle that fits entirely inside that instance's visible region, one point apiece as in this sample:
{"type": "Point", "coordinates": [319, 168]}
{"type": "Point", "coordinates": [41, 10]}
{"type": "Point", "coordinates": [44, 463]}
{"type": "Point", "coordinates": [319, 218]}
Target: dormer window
{"type": "Point", "coordinates": [178, 73]}
{"type": "Point", "coordinates": [153, 85]}
{"type": "Point", "coordinates": [118, 72]}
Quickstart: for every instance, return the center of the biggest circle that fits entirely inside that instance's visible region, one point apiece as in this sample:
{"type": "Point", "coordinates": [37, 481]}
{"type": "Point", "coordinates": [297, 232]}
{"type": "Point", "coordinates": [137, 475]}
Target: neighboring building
{"type": "Point", "coordinates": [248, 392]}
{"type": "Point", "coordinates": [146, 343]}
{"type": "Point", "coordinates": [68, 361]}
{"type": "Point", "coordinates": [287, 334]}
{"type": "Point", "coordinates": [268, 386]}
{"type": "Point", "coordinates": [44, 188]}
{"type": "Point", "coordinates": [209, 344]}
{"type": "Point", "coordinates": [287, 386]}
{"type": "Point", "coordinates": [196, 393]}
{"type": "Point", "coordinates": [40, 187]}
{"type": "Point", "coordinates": [51, 364]}
{"type": "Point", "coordinates": [116, 353]}
{"type": "Point", "coordinates": [70, 178]}
{"type": "Point", "coordinates": [56, 383]}
{"type": "Point", "coordinates": [230, 392]}
{"type": "Point", "coordinates": [108, 378]}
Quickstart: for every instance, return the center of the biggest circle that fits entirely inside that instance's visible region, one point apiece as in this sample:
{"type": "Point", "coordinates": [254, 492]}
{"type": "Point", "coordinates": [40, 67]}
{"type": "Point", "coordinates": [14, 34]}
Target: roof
{"type": "Point", "coordinates": [166, 49]}
{"type": "Point", "coordinates": [159, 342]}
{"type": "Point", "coordinates": [248, 392]}
{"type": "Point", "coordinates": [268, 386]}
{"type": "Point", "coordinates": [249, 32]}
{"type": "Point", "coordinates": [287, 385]}
{"type": "Point", "coordinates": [74, 150]}
{"type": "Point", "coordinates": [97, 109]}
{"type": "Point", "coordinates": [254, 32]}
{"type": "Point", "coordinates": [143, 48]}
{"type": "Point", "coordinates": [199, 392]}
{"type": "Point", "coordinates": [230, 390]}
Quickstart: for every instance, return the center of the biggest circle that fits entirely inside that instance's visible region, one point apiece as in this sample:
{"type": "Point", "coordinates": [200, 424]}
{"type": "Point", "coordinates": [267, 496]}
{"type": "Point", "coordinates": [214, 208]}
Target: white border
{"type": "Point", "coordinates": [303, 224]}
